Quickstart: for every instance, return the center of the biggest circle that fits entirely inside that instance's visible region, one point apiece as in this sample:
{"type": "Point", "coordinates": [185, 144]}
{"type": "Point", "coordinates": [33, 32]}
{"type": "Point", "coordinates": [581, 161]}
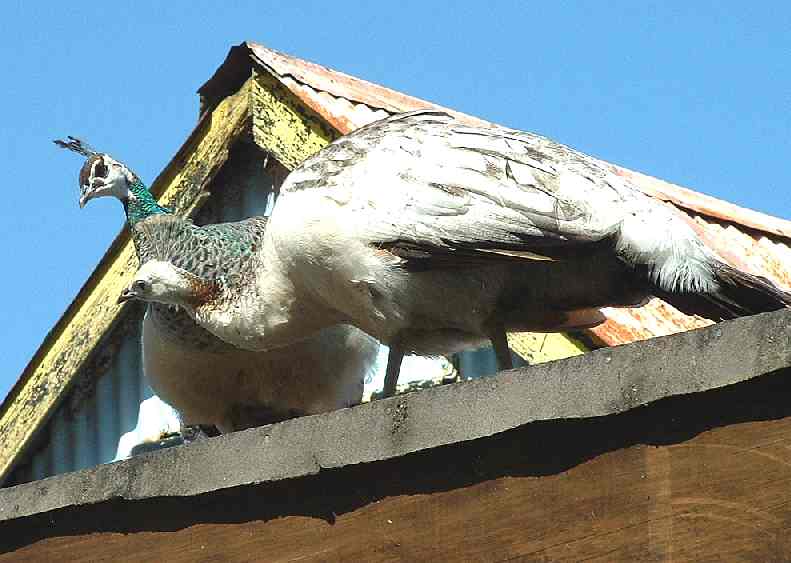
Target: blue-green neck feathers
{"type": "Point", "coordinates": [141, 204]}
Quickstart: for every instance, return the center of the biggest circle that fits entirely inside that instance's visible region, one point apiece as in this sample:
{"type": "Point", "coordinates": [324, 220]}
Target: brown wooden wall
{"type": "Point", "coordinates": [704, 477]}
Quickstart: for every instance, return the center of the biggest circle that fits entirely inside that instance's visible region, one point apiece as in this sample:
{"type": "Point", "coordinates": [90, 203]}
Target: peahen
{"type": "Point", "coordinates": [207, 380]}
{"type": "Point", "coordinates": [433, 236]}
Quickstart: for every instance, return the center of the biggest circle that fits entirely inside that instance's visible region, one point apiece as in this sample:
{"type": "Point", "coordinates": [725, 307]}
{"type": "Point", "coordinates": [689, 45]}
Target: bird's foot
{"type": "Point", "coordinates": [192, 432]}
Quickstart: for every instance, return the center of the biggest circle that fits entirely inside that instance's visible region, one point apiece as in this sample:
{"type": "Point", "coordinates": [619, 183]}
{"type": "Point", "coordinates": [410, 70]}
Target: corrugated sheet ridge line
{"type": "Point", "coordinates": [337, 110]}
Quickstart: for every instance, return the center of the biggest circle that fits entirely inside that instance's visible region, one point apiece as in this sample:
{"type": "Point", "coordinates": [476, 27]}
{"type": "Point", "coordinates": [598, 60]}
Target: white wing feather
{"type": "Point", "coordinates": [425, 179]}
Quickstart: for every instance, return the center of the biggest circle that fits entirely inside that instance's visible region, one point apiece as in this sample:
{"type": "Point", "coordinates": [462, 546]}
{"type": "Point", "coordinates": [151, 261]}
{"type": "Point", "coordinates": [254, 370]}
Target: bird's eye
{"type": "Point", "coordinates": [100, 171]}
{"type": "Point", "coordinates": [140, 285]}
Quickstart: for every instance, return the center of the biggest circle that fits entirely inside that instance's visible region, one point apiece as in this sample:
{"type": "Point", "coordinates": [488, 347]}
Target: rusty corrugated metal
{"type": "Point", "coordinates": [343, 114]}
{"type": "Point", "coordinates": [294, 72]}
{"type": "Point", "coordinates": [750, 240]}
{"type": "Point", "coordinates": [758, 253]}
{"type": "Point", "coordinates": [334, 82]}
{"type": "Point", "coordinates": [706, 204]}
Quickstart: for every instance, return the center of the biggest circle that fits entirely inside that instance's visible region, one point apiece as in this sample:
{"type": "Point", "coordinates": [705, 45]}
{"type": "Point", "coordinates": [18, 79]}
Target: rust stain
{"type": "Point", "coordinates": [338, 85]}
{"type": "Point", "coordinates": [691, 200]}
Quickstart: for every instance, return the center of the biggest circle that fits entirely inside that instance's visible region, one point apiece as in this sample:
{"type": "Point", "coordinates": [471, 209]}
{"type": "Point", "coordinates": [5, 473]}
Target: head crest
{"type": "Point", "coordinates": [76, 145]}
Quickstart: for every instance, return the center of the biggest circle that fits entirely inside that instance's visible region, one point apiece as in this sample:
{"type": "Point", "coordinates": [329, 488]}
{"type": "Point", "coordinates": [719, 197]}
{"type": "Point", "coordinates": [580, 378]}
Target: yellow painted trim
{"type": "Point", "coordinates": [537, 348]}
{"type": "Point", "coordinates": [94, 311]}
{"type": "Point", "coordinates": [282, 125]}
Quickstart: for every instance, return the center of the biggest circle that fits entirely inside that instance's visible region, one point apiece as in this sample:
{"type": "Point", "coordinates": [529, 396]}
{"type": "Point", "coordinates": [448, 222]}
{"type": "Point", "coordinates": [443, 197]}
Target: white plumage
{"type": "Point", "coordinates": [433, 236]}
{"type": "Point", "coordinates": [235, 389]}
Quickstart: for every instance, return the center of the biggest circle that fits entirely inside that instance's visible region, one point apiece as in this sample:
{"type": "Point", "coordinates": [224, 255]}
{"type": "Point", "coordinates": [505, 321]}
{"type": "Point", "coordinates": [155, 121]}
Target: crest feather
{"type": "Point", "coordinates": [76, 145]}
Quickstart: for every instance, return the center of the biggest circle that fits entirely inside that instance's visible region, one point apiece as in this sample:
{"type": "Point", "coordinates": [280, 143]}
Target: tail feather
{"type": "Point", "coordinates": [738, 294]}
{"type": "Point", "coordinates": [756, 294]}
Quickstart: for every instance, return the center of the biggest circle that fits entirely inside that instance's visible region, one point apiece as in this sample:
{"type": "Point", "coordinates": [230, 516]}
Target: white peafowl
{"type": "Point", "coordinates": [209, 381]}
{"type": "Point", "coordinates": [433, 236]}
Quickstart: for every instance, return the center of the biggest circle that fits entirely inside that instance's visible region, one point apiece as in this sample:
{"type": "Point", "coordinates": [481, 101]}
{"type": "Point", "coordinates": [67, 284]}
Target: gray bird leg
{"type": "Point", "coordinates": [394, 359]}
{"type": "Point", "coordinates": [501, 350]}
{"type": "Point", "coordinates": [192, 432]}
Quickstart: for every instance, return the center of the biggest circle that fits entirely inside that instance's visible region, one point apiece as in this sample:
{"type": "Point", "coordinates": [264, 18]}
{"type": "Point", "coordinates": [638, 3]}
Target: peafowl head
{"type": "Point", "coordinates": [162, 282]}
{"type": "Point", "coordinates": [101, 175]}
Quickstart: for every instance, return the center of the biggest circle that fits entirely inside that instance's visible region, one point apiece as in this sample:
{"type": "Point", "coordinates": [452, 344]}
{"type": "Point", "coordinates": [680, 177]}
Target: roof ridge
{"type": "Point", "coordinates": [326, 79]}
{"type": "Point", "coordinates": [343, 85]}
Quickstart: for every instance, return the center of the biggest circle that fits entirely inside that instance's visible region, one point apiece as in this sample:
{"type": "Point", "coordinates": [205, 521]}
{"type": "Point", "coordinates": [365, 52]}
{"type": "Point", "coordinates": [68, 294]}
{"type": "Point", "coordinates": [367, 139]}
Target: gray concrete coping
{"type": "Point", "coordinates": [600, 383]}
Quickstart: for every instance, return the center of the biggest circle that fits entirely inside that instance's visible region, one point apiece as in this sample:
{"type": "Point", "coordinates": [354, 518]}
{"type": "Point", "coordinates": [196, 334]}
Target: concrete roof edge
{"type": "Point", "coordinates": [600, 383]}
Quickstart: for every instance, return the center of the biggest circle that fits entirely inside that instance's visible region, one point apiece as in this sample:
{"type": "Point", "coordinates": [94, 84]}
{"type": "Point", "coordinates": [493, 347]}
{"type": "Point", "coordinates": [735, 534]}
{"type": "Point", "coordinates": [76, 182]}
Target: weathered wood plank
{"type": "Point", "coordinates": [94, 311]}
{"type": "Point", "coordinates": [694, 478]}
{"type": "Point", "coordinates": [284, 127]}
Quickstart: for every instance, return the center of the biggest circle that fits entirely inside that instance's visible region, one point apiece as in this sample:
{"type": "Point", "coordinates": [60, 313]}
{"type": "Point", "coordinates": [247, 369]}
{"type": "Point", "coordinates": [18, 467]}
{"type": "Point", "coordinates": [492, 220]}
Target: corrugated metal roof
{"type": "Point", "coordinates": [84, 430]}
{"type": "Point", "coordinates": [750, 240]}
{"type": "Point", "coordinates": [340, 112]}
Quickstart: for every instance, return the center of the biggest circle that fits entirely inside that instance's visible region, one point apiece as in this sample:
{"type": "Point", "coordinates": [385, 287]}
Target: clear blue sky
{"type": "Point", "coordinates": [697, 93]}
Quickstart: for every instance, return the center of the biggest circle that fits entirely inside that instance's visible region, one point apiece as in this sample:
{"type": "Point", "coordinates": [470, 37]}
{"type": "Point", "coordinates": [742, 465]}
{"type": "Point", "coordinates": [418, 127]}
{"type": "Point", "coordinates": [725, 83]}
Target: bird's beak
{"type": "Point", "coordinates": [126, 295]}
{"type": "Point", "coordinates": [87, 193]}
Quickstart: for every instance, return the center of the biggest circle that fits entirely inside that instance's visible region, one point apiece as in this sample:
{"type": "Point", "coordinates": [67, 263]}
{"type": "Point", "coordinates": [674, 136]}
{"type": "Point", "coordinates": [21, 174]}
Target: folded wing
{"type": "Point", "coordinates": [426, 186]}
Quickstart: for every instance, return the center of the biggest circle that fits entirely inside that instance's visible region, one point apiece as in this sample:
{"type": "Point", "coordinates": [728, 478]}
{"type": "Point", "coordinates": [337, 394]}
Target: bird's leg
{"type": "Point", "coordinates": [500, 344]}
{"type": "Point", "coordinates": [242, 417]}
{"type": "Point", "coordinates": [394, 359]}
